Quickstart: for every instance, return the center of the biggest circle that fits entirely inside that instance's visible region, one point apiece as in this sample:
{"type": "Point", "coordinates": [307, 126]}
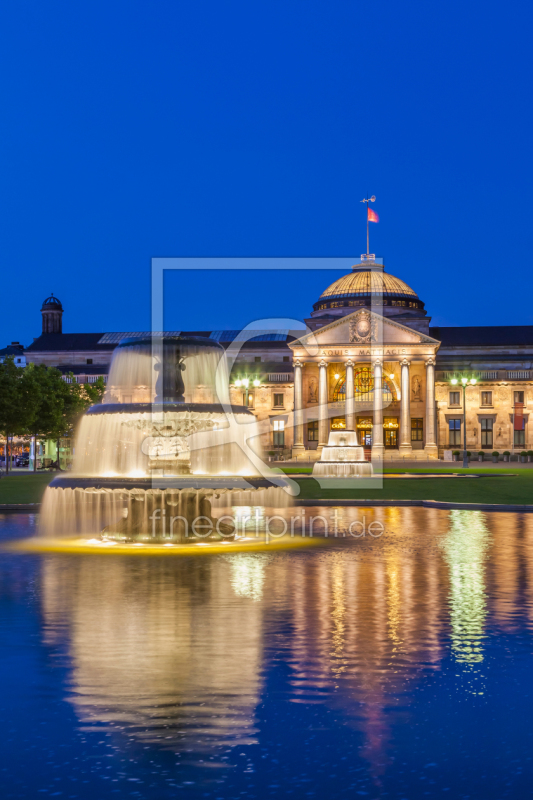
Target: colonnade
{"type": "Point", "coordinates": [405, 447]}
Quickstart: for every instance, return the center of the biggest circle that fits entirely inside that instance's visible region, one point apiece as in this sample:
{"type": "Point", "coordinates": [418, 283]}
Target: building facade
{"type": "Point", "coordinates": [369, 361]}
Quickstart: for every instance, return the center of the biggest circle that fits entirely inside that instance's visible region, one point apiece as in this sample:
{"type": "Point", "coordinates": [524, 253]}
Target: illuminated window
{"type": "Point", "coordinates": [486, 398]}
{"type": "Point", "coordinates": [455, 399]}
{"type": "Point", "coordinates": [519, 397]}
{"type": "Point", "coordinates": [455, 432]}
{"type": "Point", "coordinates": [250, 399]}
{"type": "Point", "coordinates": [417, 430]}
{"type": "Point", "coordinates": [278, 433]}
{"type": "Point", "coordinates": [363, 387]}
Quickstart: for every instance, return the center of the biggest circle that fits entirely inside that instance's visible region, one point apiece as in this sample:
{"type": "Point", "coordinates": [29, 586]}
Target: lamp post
{"type": "Point", "coordinates": [246, 383]}
{"type": "Point", "coordinates": [464, 383]}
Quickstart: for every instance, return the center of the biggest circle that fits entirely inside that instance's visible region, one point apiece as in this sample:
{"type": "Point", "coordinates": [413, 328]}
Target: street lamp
{"type": "Point", "coordinates": [246, 383]}
{"type": "Point", "coordinates": [464, 384]}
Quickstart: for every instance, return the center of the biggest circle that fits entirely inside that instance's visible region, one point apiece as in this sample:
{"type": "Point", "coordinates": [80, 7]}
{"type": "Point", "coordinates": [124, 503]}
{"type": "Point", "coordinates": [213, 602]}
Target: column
{"type": "Point", "coordinates": [350, 403]}
{"type": "Point", "coordinates": [298, 442]}
{"type": "Point", "coordinates": [431, 440]}
{"type": "Point", "coordinates": [406, 448]}
{"type": "Point", "coordinates": [377, 429]}
{"type": "Point", "coordinates": [323, 419]}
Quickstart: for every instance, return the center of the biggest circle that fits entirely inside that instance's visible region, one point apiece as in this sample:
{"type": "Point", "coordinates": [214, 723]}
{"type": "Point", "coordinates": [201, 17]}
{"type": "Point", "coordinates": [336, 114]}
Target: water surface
{"type": "Point", "coordinates": [397, 666]}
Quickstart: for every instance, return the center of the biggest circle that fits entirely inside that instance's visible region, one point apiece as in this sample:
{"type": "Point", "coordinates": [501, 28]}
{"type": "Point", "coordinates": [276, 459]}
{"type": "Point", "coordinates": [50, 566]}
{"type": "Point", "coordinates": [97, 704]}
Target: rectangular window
{"type": "Point", "coordinates": [519, 438]}
{"type": "Point", "coordinates": [286, 358]}
{"type": "Point", "coordinates": [454, 432]}
{"type": "Point", "coordinates": [278, 433]}
{"type": "Point", "coordinates": [257, 358]}
{"type": "Point", "coordinates": [278, 400]}
{"type": "Point", "coordinates": [486, 398]}
{"type": "Point", "coordinates": [417, 430]}
{"type": "Point", "coordinates": [89, 361]}
{"type": "Point", "coordinates": [519, 397]}
{"type": "Point", "coordinates": [455, 399]}
{"type": "Point", "coordinates": [486, 433]}
{"type": "Point", "coordinates": [250, 399]}
{"type": "Point", "coordinates": [312, 431]}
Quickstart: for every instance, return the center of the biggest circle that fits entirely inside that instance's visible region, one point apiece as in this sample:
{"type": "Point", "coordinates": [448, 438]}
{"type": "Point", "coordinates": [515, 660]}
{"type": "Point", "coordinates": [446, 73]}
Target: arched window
{"type": "Point", "coordinates": [363, 387]}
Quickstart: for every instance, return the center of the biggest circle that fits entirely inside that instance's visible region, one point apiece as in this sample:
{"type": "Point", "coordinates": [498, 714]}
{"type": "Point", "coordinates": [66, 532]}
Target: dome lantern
{"type": "Point", "coordinates": [52, 314]}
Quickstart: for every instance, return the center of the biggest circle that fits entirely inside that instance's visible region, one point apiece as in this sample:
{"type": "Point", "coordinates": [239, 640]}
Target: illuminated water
{"type": "Point", "coordinates": [398, 666]}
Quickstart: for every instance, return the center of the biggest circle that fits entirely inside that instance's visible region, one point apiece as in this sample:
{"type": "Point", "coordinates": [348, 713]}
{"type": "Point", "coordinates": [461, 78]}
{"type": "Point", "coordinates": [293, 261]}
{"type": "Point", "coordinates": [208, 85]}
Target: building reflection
{"type": "Point", "coordinates": [173, 651]}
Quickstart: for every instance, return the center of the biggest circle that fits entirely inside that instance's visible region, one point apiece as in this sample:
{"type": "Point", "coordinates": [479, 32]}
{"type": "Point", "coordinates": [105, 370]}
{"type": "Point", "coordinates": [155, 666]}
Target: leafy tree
{"type": "Point", "coordinates": [18, 400]}
{"type": "Point", "coordinates": [60, 403]}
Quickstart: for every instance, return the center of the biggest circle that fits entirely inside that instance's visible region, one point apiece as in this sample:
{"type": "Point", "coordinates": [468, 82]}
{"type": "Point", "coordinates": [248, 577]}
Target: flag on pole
{"type": "Point", "coordinates": [372, 216]}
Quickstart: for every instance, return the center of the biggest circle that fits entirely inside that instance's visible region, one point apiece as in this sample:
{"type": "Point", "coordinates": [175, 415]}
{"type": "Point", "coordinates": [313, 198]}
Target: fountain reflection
{"type": "Point", "coordinates": [173, 653]}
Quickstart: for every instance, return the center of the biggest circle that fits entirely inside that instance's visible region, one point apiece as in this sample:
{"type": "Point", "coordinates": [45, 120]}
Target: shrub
{"type": "Point", "coordinates": [495, 454]}
{"type": "Point", "coordinates": [480, 453]}
{"type": "Point", "coordinates": [506, 453]}
{"type": "Point", "coordinates": [456, 452]}
{"type": "Point", "coordinates": [529, 453]}
{"type": "Point", "coordinates": [523, 453]}
{"type": "Point", "coordinates": [468, 453]}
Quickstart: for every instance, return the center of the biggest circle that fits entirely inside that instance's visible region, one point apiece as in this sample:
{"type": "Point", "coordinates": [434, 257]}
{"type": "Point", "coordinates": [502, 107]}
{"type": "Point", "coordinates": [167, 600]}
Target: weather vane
{"type": "Point", "coordinates": [371, 216]}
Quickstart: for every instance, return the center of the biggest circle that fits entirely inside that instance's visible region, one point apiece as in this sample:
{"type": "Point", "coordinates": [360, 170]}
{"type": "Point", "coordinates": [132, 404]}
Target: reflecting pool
{"type": "Point", "coordinates": [394, 666]}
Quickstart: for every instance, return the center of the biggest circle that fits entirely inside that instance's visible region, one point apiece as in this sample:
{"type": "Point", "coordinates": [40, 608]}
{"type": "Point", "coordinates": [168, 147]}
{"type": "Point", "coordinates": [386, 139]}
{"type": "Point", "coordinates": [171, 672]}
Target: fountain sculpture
{"type": "Point", "coordinates": [163, 451]}
{"type": "Point", "coordinates": [343, 457]}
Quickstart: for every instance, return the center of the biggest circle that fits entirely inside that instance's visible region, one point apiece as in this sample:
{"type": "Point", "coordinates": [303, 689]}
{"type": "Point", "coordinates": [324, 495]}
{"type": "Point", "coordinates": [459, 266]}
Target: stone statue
{"type": "Point", "coordinates": [417, 388]}
{"type": "Point", "coordinates": [313, 390]}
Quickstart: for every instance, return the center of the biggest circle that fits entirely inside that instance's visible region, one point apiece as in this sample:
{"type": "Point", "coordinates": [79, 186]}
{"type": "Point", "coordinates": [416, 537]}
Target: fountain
{"type": "Point", "coordinates": [163, 451]}
{"type": "Point", "coordinates": [343, 457]}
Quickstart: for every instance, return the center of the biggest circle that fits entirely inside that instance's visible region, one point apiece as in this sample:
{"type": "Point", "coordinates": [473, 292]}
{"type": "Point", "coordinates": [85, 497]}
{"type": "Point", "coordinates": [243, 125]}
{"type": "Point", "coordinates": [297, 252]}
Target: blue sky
{"type": "Point", "coordinates": [132, 130]}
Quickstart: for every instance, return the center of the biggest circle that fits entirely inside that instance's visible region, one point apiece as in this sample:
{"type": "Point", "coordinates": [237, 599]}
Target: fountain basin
{"type": "Point", "coordinates": [343, 457]}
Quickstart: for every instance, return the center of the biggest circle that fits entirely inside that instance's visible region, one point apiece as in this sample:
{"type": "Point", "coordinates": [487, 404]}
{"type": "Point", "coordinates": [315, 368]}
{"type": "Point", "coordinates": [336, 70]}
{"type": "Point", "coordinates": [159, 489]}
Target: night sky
{"type": "Point", "coordinates": [132, 130]}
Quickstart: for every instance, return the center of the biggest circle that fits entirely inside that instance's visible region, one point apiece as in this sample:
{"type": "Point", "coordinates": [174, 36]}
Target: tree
{"type": "Point", "coordinates": [59, 404]}
{"type": "Point", "coordinates": [18, 402]}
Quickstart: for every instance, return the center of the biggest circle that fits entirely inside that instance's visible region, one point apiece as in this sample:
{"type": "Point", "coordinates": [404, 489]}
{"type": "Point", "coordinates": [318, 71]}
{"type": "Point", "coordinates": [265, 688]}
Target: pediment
{"type": "Point", "coordinates": [364, 327]}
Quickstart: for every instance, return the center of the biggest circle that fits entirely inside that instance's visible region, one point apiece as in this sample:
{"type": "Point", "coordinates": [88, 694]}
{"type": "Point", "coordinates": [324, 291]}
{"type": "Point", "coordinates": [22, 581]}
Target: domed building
{"type": "Point", "coordinates": [370, 361]}
{"type": "Point", "coordinates": [368, 285]}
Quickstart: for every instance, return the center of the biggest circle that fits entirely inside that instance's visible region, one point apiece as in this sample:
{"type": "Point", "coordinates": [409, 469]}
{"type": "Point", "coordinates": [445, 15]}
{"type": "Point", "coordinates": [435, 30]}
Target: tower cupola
{"type": "Point", "coordinates": [52, 313]}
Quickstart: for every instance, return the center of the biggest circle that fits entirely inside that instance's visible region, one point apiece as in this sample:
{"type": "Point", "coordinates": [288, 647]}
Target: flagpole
{"type": "Point", "coordinates": [367, 236]}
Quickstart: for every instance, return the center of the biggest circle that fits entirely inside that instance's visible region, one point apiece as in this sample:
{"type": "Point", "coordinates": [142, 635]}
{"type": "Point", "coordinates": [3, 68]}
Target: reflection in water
{"type": "Point", "coordinates": [465, 546]}
{"type": "Point", "coordinates": [175, 652]}
{"type": "Point", "coordinates": [163, 652]}
{"type": "Point", "coordinates": [248, 573]}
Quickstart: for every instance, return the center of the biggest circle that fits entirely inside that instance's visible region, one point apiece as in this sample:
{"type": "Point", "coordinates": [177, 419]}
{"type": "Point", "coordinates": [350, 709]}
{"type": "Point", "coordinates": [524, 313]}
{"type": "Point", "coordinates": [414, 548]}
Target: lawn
{"type": "Point", "coordinates": [516, 488]}
{"type": "Point", "coordinates": [29, 488]}
{"type": "Point", "coordinates": [513, 487]}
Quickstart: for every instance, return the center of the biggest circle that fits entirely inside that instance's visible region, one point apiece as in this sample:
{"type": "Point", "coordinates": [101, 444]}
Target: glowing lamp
{"type": "Point", "coordinates": [238, 382]}
{"type": "Point", "coordinates": [257, 382]}
{"type": "Point", "coordinates": [464, 381]}
{"type": "Point", "coordinates": [245, 382]}
{"type": "Point", "coordinates": [453, 381]}
{"type": "Point", "coordinates": [473, 381]}
{"type": "Point", "coordinates": [337, 376]}
{"type": "Point", "coordinates": [391, 376]}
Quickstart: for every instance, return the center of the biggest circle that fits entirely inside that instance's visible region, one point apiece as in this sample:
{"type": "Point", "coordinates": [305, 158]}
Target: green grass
{"type": "Point", "coordinates": [24, 488]}
{"type": "Point", "coordinates": [517, 488]}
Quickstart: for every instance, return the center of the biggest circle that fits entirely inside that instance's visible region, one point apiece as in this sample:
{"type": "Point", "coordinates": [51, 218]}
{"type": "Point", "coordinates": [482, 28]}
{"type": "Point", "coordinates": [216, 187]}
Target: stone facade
{"type": "Point", "coordinates": [371, 362]}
